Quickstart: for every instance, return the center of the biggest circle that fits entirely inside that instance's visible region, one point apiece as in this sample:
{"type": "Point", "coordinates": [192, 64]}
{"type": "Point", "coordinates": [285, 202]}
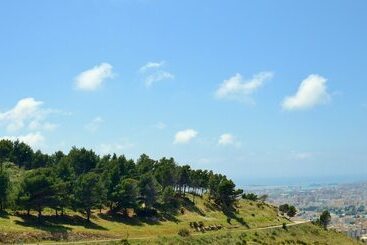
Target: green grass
{"type": "Point", "coordinates": [18, 228]}
{"type": "Point", "coordinates": [73, 227]}
{"type": "Point", "coordinates": [300, 234]}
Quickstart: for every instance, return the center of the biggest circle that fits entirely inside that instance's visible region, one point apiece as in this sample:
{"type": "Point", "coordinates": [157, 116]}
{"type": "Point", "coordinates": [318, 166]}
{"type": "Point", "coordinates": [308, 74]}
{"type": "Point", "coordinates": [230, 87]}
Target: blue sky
{"type": "Point", "coordinates": [253, 89]}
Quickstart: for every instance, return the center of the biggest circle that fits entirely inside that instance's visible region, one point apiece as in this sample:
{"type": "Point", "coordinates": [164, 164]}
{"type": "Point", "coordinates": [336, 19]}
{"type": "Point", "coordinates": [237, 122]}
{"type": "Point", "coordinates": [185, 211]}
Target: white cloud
{"type": "Point", "coordinates": [153, 72]}
{"type": "Point", "coordinates": [35, 140]}
{"type": "Point", "coordinates": [185, 136]}
{"type": "Point", "coordinates": [46, 126]}
{"type": "Point", "coordinates": [27, 112]}
{"type": "Point", "coordinates": [92, 79]}
{"type": "Point", "coordinates": [117, 147]}
{"type": "Point", "coordinates": [94, 125]}
{"type": "Point", "coordinates": [157, 76]}
{"type": "Point", "coordinates": [226, 139]}
{"type": "Point", "coordinates": [311, 92]}
{"type": "Point", "coordinates": [151, 65]}
{"type": "Point", "coordinates": [236, 88]}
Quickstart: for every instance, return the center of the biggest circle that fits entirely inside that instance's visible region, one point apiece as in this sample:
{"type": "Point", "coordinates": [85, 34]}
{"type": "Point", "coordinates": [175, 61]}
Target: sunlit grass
{"type": "Point", "coordinates": [107, 226]}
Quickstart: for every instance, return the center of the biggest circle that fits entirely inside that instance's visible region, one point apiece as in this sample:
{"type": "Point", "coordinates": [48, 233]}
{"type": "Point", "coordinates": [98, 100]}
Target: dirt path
{"type": "Point", "coordinates": [153, 237]}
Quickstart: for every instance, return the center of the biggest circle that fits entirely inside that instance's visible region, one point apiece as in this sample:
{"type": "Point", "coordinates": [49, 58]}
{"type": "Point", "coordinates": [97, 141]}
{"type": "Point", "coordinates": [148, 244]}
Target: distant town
{"type": "Point", "coordinates": [346, 202]}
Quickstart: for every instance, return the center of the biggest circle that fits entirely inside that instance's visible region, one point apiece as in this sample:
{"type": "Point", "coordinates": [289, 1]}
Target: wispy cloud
{"type": "Point", "coordinates": [115, 147]}
{"type": "Point", "coordinates": [94, 125]}
{"type": "Point", "coordinates": [228, 139]}
{"type": "Point", "coordinates": [28, 112]}
{"type": "Point", "coordinates": [311, 92]}
{"type": "Point", "coordinates": [93, 78]}
{"type": "Point", "coordinates": [158, 76]}
{"type": "Point", "coordinates": [236, 88]}
{"type": "Point", "coordinates": [160, 125]}
{"type": "Point", "coordinates": [35, 140]}
{"type": "Point", "coordinates": [185, 136]}
{"type": "Point", "coordinates": [154, 72]}
{"type": "Point", "coordinates": [44, 126]}
{"type": "Point", "coordinates": [151, 65]}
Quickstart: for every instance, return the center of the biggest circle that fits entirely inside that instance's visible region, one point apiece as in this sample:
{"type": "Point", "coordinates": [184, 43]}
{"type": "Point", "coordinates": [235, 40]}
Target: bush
{"type": "Point", "coordinates": [184, 232]}
{"type": "Point", "coordinates": [124, 241]}
{"type": "Point", "coordinates": [250, 196]}
{"type": "Point", "coordinates": [284, 226]}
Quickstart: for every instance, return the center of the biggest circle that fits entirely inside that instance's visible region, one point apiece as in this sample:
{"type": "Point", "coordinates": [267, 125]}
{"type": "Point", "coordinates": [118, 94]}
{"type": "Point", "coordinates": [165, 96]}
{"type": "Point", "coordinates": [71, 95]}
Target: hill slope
{"type": "Point", "coordinates": [73, 226]}
{"type": "Point", "coordinates": [254, 223]}
{"type": "Point", "coordinates": [297, 234]}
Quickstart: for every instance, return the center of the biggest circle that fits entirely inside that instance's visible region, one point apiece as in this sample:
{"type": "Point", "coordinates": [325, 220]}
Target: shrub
{"type": "Point", "coordinates": [124, 241]}
{"type": "Point", "coordinates": [184, 232]}
{"type": "Point", "coordinates": [250, 196]}
{"type": "Point", "coordinates": [284, 226]}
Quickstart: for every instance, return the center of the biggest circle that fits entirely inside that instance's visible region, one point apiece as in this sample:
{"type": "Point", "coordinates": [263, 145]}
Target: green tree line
{"type": "Point", "coordinates": [83, 181]}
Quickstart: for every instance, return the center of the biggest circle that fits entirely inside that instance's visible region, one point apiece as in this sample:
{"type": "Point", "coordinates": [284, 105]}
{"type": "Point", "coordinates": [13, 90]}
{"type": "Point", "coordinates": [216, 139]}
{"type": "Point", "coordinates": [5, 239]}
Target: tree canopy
{"type": "Point", "coordinates": [83, 180]}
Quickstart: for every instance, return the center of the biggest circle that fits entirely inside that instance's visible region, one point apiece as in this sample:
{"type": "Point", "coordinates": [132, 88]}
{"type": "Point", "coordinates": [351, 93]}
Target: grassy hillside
{"type": "Point", "coordinates": [245, 226]}
{"type": "Point", "coordinates": [251, 229]}
{"type": "Point", "coordinates": [299, 234]}
{"type": "Point", "coordinates": [22, 228]}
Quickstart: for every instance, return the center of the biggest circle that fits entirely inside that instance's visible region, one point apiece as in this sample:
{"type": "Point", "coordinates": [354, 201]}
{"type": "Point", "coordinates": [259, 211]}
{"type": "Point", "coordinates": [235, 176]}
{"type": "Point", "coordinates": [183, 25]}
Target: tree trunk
{"type": "Point", "coordinates": [56, 212]}
{"type": "Point", "coordinates": [62, 211]}
{"type": "Point", "coordinates": [39, 214]}
{"type": "Point", "coordinates": [28, 211]}
{"type": "Point", "coordinates": [88, 214]}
